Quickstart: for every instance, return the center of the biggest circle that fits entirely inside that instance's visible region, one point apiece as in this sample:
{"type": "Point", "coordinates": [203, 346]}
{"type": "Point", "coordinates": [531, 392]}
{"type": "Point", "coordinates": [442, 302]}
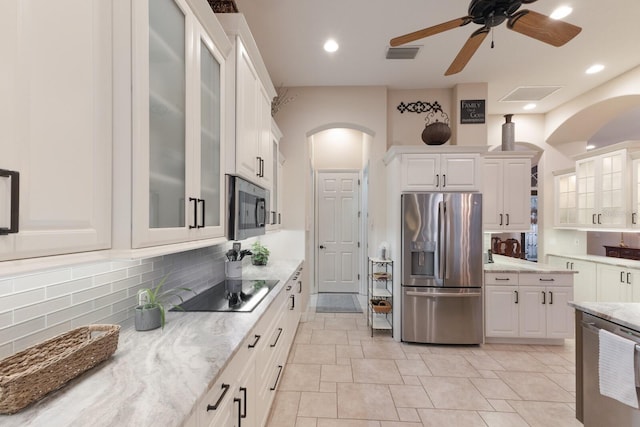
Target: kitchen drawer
{"type": "Point", "coordinates": [501, 278]}
{"type": "Point", "coordinates": [545, 279]}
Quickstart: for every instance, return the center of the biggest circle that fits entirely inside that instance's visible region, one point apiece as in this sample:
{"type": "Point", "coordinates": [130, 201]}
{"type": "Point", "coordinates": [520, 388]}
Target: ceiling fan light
{"type": "Point", "coordinates": [331, 46]}
{"type": "Point", "coordinates": [595, 68]}
{"type": "Point", "coordinates": [561, 12]}
{"type": "Point", "coordinates": [530, 106]}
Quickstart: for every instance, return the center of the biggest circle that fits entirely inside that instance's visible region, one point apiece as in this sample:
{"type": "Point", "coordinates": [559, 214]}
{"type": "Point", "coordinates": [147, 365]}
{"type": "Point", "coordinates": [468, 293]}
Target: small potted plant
{"type": "Point", "coordinates": [259, 254]}
{"type": "Point", "coordinates": [152, 303]}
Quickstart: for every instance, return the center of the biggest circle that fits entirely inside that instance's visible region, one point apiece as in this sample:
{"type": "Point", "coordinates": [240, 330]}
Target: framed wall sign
{"type": "Point", "coordinates": [472, 111]}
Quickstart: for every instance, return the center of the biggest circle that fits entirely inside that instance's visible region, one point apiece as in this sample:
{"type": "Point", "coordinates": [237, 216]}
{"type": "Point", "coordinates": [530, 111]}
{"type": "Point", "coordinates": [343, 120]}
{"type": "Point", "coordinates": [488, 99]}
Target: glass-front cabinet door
{"type": "Point", "coordinates": [635, 193]}
{"type": "Point", "coordinates": [177, 113]}
{"type": "Point", "coordinates": [566, 200]}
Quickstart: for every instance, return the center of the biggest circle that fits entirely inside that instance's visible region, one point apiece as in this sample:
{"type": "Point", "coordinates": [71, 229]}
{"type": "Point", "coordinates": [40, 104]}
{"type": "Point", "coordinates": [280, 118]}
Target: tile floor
{"type": "Point", "coordinates": [337, 375]}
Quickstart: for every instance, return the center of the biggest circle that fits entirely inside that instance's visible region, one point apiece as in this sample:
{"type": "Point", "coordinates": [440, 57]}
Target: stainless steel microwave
{"type": "Point", "coordinates": [248, 206]}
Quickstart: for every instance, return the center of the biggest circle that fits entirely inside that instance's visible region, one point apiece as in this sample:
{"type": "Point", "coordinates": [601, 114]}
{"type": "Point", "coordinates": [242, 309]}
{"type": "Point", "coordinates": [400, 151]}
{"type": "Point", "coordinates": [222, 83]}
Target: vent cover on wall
{"type": "Point", "coordinates": [529, 93]}
{"type": "Point", "coordinates": [407, 52]}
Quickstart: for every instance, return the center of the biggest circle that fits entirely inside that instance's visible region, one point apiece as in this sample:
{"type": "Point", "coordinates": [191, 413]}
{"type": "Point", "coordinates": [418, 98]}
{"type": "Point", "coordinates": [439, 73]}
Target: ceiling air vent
{"type": "Point", "coordinates": [529, 93]}
{"type": "Point", "coordinates": [406, 52]}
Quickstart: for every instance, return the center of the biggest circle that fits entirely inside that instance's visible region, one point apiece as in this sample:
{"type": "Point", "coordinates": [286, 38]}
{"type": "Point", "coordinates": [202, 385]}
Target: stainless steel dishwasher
{"type": "Point", "coordinates": [600, 410]}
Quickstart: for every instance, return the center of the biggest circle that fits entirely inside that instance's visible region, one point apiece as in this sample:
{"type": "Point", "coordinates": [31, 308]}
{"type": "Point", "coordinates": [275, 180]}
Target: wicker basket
{"type": "Point", "coordinates": [381, 305]}
{"type": "Point", "coordinates": [29, 375]}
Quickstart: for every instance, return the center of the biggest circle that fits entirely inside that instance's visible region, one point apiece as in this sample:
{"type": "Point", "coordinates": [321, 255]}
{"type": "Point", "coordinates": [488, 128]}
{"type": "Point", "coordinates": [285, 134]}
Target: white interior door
{"type": "Point", "coordinates": [337, 199]}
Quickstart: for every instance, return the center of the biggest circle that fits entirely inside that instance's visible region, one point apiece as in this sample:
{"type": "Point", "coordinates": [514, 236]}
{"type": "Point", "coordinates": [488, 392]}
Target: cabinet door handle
{"type": "Point", "coordinates": [299, 286]}
{"type": "Point", "coordinates": [257, 337]}
{"type": "Point", "coordinates": [277, 338]}
{"type": "Point", "coordinates": [572, 266]}
{"type": "Point", "coordinates": [628, 278]}
{"type": "Point", "coordinates": [550, 297]}
{"type": "Point", "coordinates": [593, 218]}
{"type": "Point", "coordinates": [258, 166]}
{"type": "Point", "coordinates": [15, 202]}
{"type": "Point", "coordinates": [293, 302]}
{"type": "Point", "coordinates": [277, 378]}
{"type": "Point", "coordinates": [516, 292]}
{"type": "Point", "coordinates": [622, 277]}
{"type": "Point", "coordinates": [544, 297]}
{"type": "Point", "coordinates": [244, 402]}
{"type": "Point", "coordinates": [225, 389]}
{"type": "Point", "coordinates": [507, 219]}
{"type": "Point", "coordinates": [599, 215]}
{"type": "Point", "coordinates": [201, 225]}
{"type": "Point", "coordinates": [239, 402]}
{"type": "Point", "coordinates": [444, 180]}
{"type": "Point", "coordinates": [437, 180]}
{"type": "Point", "coordinates": [289, 288]}
{"type": "Point", "coordinates": [568, 266]}
{"type": "Point", "coordinates": [195, 212]}
{"type": "Point", "coordinates": [279, 218]}
{"type": "Point", "coordinates": [633, 218]}
{"type": "Point", "coordinates": [500, 219]}
{"type": "Point", "coordinates": [261, 167]}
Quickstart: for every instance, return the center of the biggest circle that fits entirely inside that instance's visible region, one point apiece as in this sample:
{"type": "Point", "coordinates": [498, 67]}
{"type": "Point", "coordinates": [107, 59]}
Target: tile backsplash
{"type": "Point", "coordinates": [35, 307]}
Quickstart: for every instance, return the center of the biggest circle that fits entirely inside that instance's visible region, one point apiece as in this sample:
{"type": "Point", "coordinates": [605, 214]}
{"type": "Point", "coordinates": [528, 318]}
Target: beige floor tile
{"type": "Point", "coordinates": [501, 405]}
{"type": "Point", "coordinates": [412, 367]}
{"type": "Point", "coordinates": [399, 424]}
{"type": "Point", "coordinates": [454, 393]}
{"type": "Point", "coordinates": [341, 324]}
{"type": "Point", "coordinates": [453, 349]}
{"type": "Point", "coordinates": [494, 389]}
{"type": "Point", "coordinates": [306, 422]}
{"type": "Point", "coordinates": [411, 380]}
{"type": "Point", "coordinates": [449, 365]}
{"type": "Point", "coordinates": [408, 414]}
{"type": "Point", "coordinates": [410, 396]}
{"type": "Point", "coordinates": [323, 336]}
{"type": "Point", "coordinates": [448, 418]}
{"type": "Point", "coordinates": [549, 358]}
{"type": "Point", "coordinates": [319, 405]}
{"type": "Point", "coordinates": [301, 378]}
{"type": "Point", "coordinates": [535, 386]}
{"type": "Point", "coordinates": [343, 361]}
{"type": "Point", "coordinates": [337, 373]}
{"type": "Point", "coordinates": [484, 362]}
{"type": "Point", "coordinates": [356, 337]}
{"type": "Point", "coordinates": [413, 356]}
{"type": "Point", "coordinates": [328, 387]}
{"type": "Point", "coordinates": [303, 338]}
{"type": "Point", "coordinates": [366, 401]}
{"type": "Point", "coordinates": [349, 351]}
{"type": "Point", "coordinates": [503, 419]}
{"type": "Point", "coordinates": [383, 350]}
{"type": "Point", "coordinates": [415, 348]}
{"type": "Point", "coordinates": [315, 354]}
{"type": "Point", "coordinates": [324, 422]}
{"type": "Point", "coordinates": [545, 414]}
{"type": "Point", "coordinates": [487, 374]}
{"type": "Point", "coordinates": [518, 361]}
{"type": "Point", "coordinates": [284, 409]}
{"type": "Point", "coordinates": [375, 371]}
{"type": "Point", "coordinates": [566, 381]}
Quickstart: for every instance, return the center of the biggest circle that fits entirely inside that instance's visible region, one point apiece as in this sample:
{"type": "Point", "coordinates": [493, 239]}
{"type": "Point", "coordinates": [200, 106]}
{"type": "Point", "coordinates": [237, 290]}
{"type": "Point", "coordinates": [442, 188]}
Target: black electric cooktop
{"type": "Point", "coordinates": [230, 295]}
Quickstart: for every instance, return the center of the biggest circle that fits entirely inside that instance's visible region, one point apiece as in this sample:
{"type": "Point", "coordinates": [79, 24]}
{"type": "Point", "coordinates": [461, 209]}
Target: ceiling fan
{"type": "Point", "coordinates": [490, 13]}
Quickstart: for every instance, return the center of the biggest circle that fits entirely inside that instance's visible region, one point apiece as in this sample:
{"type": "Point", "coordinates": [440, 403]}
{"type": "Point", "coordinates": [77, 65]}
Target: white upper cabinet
{"type": "Point", "coordinates": [55, 126]}
{"type": "Point", "coordinates": [441, 172]}
{"type": "Point", "coordinates": [178, 185]}
{"type": "Point", "coordinates": [506, 204]}
{"type": "Point", "coordinates": [635, 194]}
{"type": "Point", "coordinates": [566, 200]}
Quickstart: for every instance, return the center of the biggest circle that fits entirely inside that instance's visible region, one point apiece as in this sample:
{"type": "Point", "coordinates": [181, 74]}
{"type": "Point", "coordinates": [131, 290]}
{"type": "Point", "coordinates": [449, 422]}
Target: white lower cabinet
{"type": "Point", "coordinates": [528, 305]}
{"type": "Point", "coordinates": [616, 284]}
{"type": "Point", "coordinates": [584, 282]}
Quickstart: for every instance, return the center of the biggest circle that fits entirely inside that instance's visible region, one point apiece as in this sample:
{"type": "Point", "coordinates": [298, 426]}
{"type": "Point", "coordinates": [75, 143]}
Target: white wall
{"type": "Point", "coordinates": [406, 128]}
{"type": "Point", "coordinates": [337, 148]}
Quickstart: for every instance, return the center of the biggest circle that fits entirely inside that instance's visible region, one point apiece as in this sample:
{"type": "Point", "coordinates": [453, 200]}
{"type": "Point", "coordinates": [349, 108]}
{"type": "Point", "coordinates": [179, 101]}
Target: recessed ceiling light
{"type": "Point", "coordinates": [529, 107]}
{"type": "Point", "coordinates": [595, 68]}
{"type": "Point", "coordinates": [561, 12]}
{"type": "Point", "coordinates": [590, 147]}
{"type": "Point", "coordinates": [331, 45]}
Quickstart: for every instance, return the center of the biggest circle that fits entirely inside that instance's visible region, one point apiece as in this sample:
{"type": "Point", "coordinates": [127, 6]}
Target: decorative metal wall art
{"type": "Point", "coordinates": [419, 107]}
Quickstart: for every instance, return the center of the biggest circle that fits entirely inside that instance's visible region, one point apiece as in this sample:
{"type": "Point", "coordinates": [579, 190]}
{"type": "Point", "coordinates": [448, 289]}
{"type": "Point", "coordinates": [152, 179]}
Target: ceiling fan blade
{"type": "Point", "coordinates": [426, 32]}
{"type": "Point", "coordinates": [467, 51]}
{"type": "Point", "coordinates": [543, 28]}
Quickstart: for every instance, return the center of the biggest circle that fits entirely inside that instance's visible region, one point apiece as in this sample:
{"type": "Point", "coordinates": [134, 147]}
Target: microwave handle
{"type": "Point", "coordinates": [260, 219]}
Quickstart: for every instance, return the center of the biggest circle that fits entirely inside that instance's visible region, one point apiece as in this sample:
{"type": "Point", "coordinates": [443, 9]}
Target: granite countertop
{"type": "Point", "coordinates": [620, 262]}
{"type": "Point", "coordinates": [623, 313]}
{"type": "Point", "coordinates": [504, 264]}
{"type": "Point", "coordinates": [155, 377]}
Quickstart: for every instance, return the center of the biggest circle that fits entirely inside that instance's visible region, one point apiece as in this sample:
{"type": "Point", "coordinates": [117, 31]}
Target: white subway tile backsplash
{"type": "Point", "coordinates": [91, 294]}
{"type": "Point", "coordinates": [6, 350]}
{"type": "Point", "coordinates": [6, 319]}
{"type": "Point", "coordinates": [110, 299]}
{"type": "Point", "coordinates": [40, 336]}
{"type": "Point", "coordinates": [95, 316]}
{"type": "Point", "coordinates": [67, 314]}
{"type": "Point", "coordinates": [40, 280]}
{"type": "Point", "coordinates": [69, 287]}
{"type": "Point", "coordinates": [110, 277]}
{"type": "Point", "coordinates": [125, 283]}
{"type": "Point", "coordinates": [117, 265]}
{"type": "Point", "coordinates": [129, 302]}
{"type": "Point", "coordinates": [35, 310]}
{"type": "Point", "coordinates": [90, 270]}
{"type": "Point", "coordinates": [6, 287]}
{"type": "Point", "coordinates": [19, 330]}
{"type": "Point", "coordinates": [21, 299]}
{"type": "Point", "coordinates": [140, 269]}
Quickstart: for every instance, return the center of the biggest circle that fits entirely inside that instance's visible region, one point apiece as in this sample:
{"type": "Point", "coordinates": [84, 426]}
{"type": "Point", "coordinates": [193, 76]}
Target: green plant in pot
{"type": "Point", "coordinates": [259, 254]}
{"type": "Point", "coordinates": [153, 303]}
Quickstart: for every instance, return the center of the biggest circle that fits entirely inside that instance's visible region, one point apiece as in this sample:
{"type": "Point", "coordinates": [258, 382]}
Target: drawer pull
{"type": "Point", "coordinates": [277, 338]}
{"type": "Point", "coordinates": [257, 337]}
{"type": "Point", "coordinates": [500, 279]}
{"type": "Point", "coordinates": [277, 378]}
{"type": "Point", "coordinates": [225, 389]}
{"type": "Point", "coordinates": [547, 280]}
{"type": "Point", "coordinates": [288, 288]}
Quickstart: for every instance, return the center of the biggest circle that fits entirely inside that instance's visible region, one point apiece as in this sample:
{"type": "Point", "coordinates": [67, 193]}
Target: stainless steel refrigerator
{"type": "Point", "coordinates": [442, 268]}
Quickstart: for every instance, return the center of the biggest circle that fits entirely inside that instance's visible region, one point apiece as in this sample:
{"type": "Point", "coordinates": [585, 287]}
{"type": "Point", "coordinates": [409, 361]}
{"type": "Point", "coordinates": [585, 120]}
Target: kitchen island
{"type": "Point", "coordinates": [156, 377]}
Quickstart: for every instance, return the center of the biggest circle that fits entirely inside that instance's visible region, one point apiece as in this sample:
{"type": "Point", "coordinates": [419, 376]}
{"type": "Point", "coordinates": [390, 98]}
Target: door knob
{"type": "Point", "coordinates": [321, 247]}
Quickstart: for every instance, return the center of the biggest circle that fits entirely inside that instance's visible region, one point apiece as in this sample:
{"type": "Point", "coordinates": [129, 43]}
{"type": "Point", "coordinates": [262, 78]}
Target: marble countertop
{"type": "Point", "coordinates": [504, 264]}
{"type": "Point", "coordinates": [155, 377]}
{"type": "Point", "coordinates": [620, 262]}
{"type": "Point", "coordinates": [623, 313]}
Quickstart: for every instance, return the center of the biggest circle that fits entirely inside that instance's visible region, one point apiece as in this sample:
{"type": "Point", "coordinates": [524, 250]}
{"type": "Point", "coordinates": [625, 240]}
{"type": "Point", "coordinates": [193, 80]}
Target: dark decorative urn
{"type": "Point", "coordinates": [436, 132]}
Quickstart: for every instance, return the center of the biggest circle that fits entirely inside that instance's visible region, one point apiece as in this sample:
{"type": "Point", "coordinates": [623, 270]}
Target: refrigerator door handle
{"type": "Point", "coordinates": [443, 295]}
{"type": "Point", "coordinates": [441, 240]}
